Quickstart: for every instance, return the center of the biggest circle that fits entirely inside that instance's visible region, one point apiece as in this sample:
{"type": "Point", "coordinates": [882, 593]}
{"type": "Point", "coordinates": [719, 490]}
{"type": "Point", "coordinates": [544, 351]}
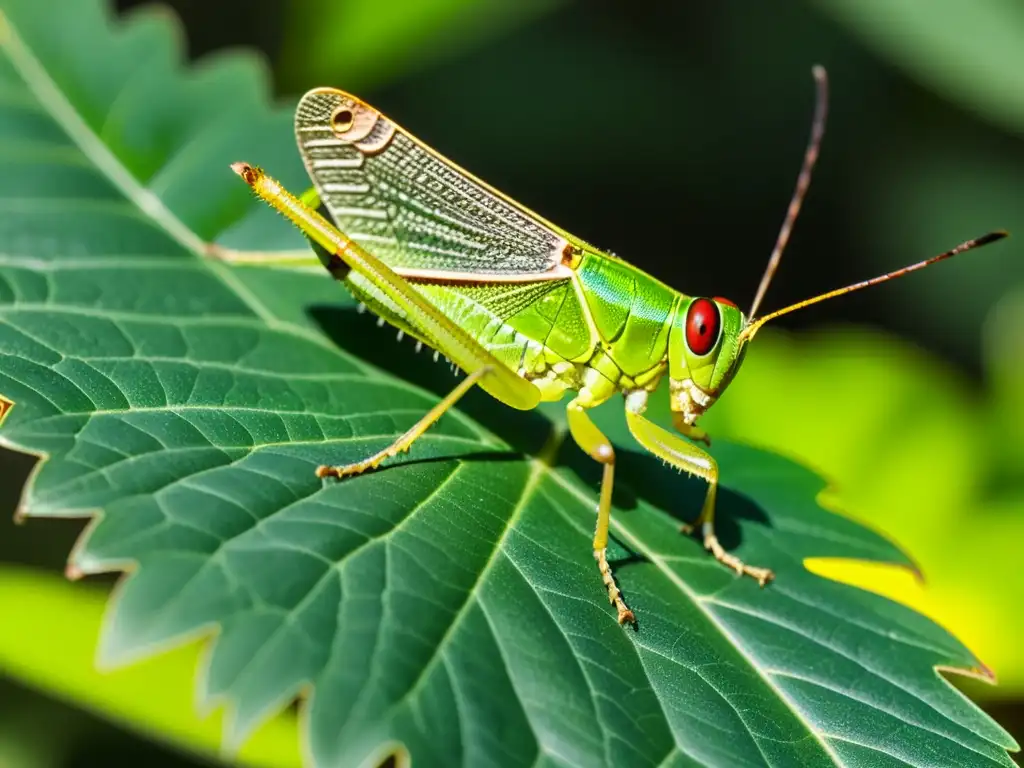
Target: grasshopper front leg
{"type": "Point", "coordinates": [599, 448]}
{"type": "Point", "coordinates": [693, 459]}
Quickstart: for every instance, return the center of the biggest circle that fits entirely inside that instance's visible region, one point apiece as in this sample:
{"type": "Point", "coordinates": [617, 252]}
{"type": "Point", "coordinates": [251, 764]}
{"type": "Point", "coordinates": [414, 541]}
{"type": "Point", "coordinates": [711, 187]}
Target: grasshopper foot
{"type": "Point", "coordinates": [687, 529]}
{"type": "Point", "coordinates": [762, 575]}
{"type": "Point", "coordinates": [399, 446]}
{"type": "Point", "coordinates": [614, 593]}
{"type": "Point", "coordinates": [349, 469]}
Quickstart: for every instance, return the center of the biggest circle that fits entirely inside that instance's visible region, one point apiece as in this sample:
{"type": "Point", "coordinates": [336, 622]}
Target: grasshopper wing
{"type": "Point", "coordinates": [414, 209]}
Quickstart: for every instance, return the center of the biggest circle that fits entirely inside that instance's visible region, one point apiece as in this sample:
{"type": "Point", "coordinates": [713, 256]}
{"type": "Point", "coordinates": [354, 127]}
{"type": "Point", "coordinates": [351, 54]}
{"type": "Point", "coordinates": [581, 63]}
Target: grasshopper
{"type": "Point", "coordinates": [527, 310]}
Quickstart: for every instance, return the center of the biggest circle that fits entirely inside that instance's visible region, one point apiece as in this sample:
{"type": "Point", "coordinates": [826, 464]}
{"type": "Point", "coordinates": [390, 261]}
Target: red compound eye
{"type": "Point", "coordinates": [720, 300]}
{"type": "Point", "coordinates": [702, 324]}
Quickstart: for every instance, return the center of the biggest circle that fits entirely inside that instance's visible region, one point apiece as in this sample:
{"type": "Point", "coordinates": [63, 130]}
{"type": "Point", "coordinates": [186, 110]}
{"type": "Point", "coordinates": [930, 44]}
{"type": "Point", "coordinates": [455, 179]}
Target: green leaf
{"type": "Point", "coordinates": [971, 53]}
{"type": "Point", "coordinates": [448, 603]}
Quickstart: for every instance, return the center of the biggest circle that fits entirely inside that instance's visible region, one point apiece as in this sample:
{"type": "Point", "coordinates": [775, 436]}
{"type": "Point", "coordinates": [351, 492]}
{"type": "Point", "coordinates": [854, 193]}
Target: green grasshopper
{"type": "Point", "coordinates": [526, 309]}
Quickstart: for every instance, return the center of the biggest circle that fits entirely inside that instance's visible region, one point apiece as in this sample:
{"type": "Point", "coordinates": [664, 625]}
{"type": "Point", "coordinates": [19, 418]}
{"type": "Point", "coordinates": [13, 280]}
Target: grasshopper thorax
{"type": "Point", "coordinates": [705, 351]}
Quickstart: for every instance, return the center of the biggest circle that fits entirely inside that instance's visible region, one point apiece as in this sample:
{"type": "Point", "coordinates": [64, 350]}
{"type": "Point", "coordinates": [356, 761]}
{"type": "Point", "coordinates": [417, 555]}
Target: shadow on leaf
{"type": "Point", "coordinates": [358, 334]}
{"type": "Point", "coordinates": [639, 475]}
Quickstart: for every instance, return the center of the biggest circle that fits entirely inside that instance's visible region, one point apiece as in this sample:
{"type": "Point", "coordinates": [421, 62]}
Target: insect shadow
{"type": "Point", "coordinates": [641, 476]}
{"type": "Point", "coordinates": [638, 474]}
{"type": "Point", "coordinates": [358, 334]}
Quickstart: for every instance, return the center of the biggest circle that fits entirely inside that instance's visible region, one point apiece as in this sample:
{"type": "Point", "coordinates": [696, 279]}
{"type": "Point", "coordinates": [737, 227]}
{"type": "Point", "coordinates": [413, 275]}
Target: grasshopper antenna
{"type": "Point", "coordinates": [748, 333]}
{"type": "Point", "coordinates": [803, 181]}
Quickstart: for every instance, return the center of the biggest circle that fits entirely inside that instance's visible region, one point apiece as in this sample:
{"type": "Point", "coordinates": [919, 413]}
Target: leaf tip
{"type": "Point", "coordinates": [110, 656]}
{"type": "Point", "coordinates": [72, 572]}
{"type": "Point", "coordinates": [5, 404]}
{"type": "Point", "coordinates": [389, 752]}
{"type": "Point", "coordinates": [911, 566]}
{"type": "Point", "coordinates": [231, 742]}
{"type": "Point", "coordinates": [980, 671]}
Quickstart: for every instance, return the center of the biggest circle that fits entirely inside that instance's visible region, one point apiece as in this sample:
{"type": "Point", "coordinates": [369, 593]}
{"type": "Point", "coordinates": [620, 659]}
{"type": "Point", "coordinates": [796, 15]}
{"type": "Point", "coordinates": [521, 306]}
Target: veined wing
{"type": "Point", "coordinates": [414, 209]}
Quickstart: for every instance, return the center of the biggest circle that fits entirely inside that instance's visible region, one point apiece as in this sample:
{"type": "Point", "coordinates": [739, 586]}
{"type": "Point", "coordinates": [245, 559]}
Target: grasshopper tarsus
{"type": "Point", "coordinates": [625, 615]}
{"type": "Point", "coordinates": [761, 575]}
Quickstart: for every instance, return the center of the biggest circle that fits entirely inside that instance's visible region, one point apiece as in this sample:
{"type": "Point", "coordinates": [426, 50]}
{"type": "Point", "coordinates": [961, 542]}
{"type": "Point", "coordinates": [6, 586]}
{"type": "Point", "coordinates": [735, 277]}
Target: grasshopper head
{"type": "Point", "coordinates": [705, 351]}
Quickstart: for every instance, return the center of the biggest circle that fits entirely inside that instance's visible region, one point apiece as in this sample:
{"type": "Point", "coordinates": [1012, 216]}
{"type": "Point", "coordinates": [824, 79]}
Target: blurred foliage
{"type": "Point", "coordinates": [55, 650]}
{"type": "Point", "coordinates": [969, 52]}
{"type": "Point", "coordinates": [1004, 349]}
{"type": "Point", "coordinates": [923, 150]}
{"type": "Point", "coordinates": [952, 304]}
{"type": "Point", "coordinates": [367, 44]}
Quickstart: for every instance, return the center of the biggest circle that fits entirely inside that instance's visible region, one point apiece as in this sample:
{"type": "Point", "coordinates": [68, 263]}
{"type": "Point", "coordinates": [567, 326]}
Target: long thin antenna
{"type": "Point", "coordinates": [803, 181]}
{"type": "Point", "coordinates": [748, 333]}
